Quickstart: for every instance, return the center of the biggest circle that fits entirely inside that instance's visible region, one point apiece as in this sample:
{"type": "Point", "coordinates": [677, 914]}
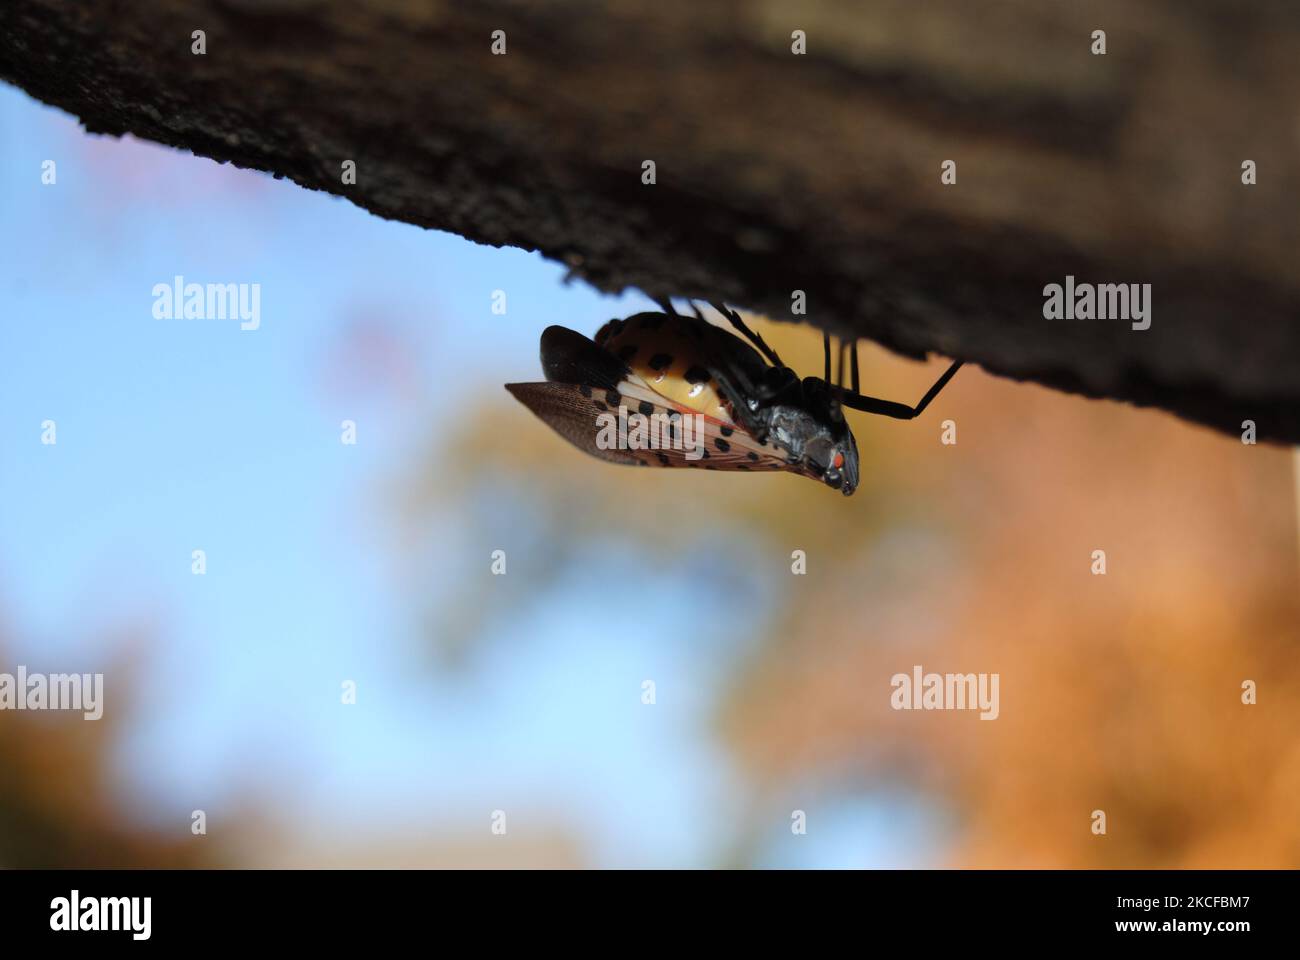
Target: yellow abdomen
{"type": "Point", "coordinates": [667, 353]}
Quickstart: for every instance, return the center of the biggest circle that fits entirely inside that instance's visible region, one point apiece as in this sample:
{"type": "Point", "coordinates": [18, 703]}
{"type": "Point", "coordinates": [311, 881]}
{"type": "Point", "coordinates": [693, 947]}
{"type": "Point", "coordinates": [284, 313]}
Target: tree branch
{"type": "Point", "coordinates": [778, 172]}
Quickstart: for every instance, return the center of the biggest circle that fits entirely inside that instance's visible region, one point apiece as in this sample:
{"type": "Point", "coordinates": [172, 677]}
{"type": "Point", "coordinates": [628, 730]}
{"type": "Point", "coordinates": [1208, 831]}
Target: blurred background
{"type": "Point", "coordinates": [523, 693]}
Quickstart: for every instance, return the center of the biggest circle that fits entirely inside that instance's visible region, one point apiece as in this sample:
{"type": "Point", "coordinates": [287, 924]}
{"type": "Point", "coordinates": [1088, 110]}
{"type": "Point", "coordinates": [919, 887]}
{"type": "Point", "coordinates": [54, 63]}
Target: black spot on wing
{"type": "Point", "coordinates": [660, 361]}
{"type": "Point", "coordinates": [562, 408]}
{"type": "Point", "coordinates": [697, 374]}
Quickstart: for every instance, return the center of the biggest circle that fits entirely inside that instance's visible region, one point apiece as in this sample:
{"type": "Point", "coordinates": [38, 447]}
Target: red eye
{"type": "Point", "coordinates": [839, 461]}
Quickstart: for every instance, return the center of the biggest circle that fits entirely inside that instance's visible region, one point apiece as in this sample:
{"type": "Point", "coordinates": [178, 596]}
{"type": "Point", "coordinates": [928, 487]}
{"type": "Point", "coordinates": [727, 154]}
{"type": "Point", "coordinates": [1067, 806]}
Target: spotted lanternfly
{"type": "Point", "coordinates": [757, 413]}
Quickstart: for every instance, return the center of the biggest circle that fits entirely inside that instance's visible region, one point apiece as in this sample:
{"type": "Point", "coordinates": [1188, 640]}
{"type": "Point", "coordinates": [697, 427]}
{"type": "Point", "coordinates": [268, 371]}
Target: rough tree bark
{"type": "Point", "coordinates": [779, 172]}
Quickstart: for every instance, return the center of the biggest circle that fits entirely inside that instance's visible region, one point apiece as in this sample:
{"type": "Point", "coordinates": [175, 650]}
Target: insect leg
{"type": "Point", "coordinates": [749, 334]}
{"type": "Point", "coordinates": [839, 372]}
{"type": "Point", "coordinates": [666, 306]}
{"type": "Point", "coordinates": [938, 385]}
{"type": "Point", "coordinates": [738, 393]}
{"type": "Point", "coordinates": [899, 411]}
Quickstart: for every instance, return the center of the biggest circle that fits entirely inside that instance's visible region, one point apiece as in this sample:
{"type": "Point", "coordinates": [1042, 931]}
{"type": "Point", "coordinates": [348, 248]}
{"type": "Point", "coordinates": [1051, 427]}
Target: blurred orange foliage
{"type": "Point", "coordinates": [1119, 692]}
{"type": "Point", "coordinates": [58, 805]}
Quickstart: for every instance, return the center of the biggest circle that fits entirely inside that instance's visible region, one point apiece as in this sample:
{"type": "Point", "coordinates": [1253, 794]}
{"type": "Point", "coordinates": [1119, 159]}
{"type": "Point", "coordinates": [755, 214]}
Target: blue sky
{"type": "Point", "coordinates": [175, 435]}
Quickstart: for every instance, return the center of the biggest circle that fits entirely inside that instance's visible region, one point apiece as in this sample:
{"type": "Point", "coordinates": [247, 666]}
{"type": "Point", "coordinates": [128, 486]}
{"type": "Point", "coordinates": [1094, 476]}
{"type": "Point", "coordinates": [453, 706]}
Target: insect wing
{"type": "Point", "coordinates": [647, 430]}
{"type": "Point", "coordinates": [693, 439]}
{"type": "Point", "coordinates": [569, 409]}
{"type": "Point", "coordinates": [569, 357]}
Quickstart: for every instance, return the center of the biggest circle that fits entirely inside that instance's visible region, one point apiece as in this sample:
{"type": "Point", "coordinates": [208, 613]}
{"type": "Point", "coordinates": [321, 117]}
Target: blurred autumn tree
{"type": "Point", "coordinates": [1119, 692]}
{"type": "Point", "coordinates": [58, 805]}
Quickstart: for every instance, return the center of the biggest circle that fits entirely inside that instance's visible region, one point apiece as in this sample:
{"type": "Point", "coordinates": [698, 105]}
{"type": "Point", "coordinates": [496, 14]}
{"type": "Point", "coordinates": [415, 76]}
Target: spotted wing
{"type": "Point", "coordinates": [715, 444]}
{"type": "Point", "coordinates": [672, 437]}
{"type": "Point", "coordinates": [571, 411]}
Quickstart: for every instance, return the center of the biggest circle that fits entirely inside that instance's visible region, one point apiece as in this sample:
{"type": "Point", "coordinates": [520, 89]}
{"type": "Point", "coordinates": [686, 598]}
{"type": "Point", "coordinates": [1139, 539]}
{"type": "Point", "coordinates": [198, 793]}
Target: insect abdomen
{"type": "Point", "coordinates": [670, 354]}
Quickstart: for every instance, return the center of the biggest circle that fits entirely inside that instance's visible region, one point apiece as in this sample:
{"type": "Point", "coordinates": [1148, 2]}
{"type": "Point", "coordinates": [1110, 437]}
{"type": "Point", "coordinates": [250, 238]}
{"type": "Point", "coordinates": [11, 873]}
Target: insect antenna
{"type": "Point", "coordinates": [856, 384]}
{"type": "Point", "coordinates": [826, 351]}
